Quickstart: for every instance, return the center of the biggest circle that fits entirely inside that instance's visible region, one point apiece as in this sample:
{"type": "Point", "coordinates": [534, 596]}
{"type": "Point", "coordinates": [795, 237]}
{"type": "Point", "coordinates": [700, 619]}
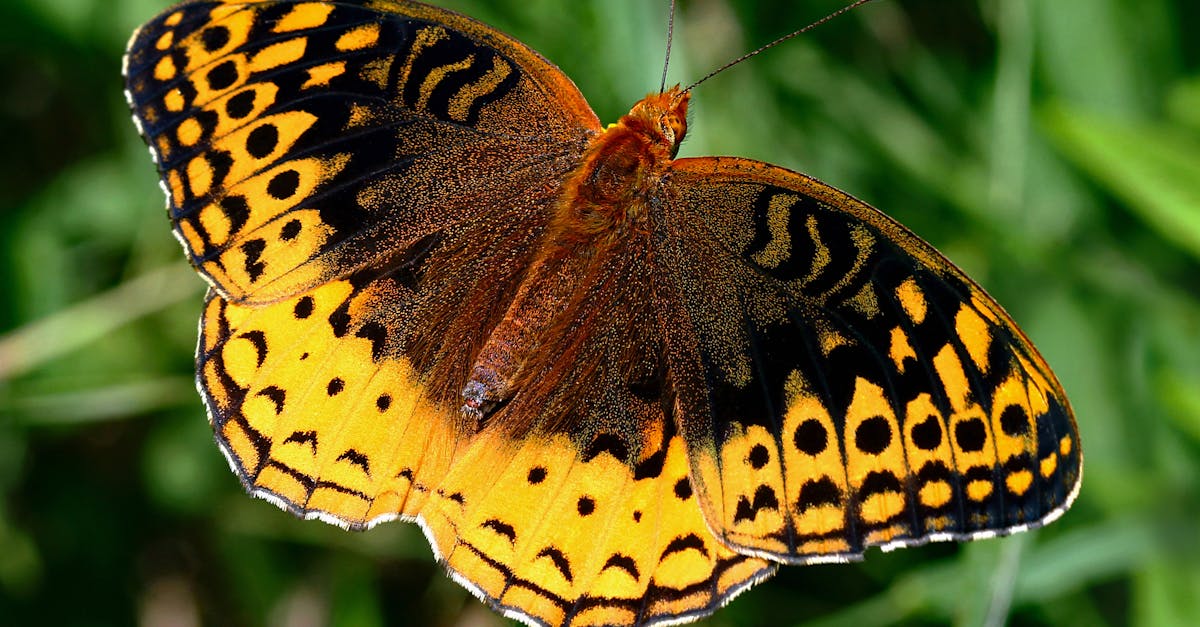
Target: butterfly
{"type": "Point", "coordinates": [612, 386]}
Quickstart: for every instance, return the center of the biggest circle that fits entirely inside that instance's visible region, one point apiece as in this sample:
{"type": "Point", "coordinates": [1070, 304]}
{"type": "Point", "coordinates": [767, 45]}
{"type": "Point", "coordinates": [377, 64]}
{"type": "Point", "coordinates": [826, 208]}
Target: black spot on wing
{"type": "Point", "coordinates": [283, 185]}
{"type": "Point", "coordinates": [971, 435]}
{"type": "Point", "coordinates": [335, 386]}
{"type": "Point", "coordinates": [262, 141]}
{"type": "Point", "coordinates": [873, 435]}
{"type": "Point", "coordinates": [759, 457]}
{"type": "Point", "coordinates": [683, 489]}
{"type": "Point", "coordinates": [810, 437]}
{"type": "Point", "coordinates": [241, 105]}
{"type": "Point", "coordinates": [290, 230]}
{"type": "Point", "coordinates": [1014, 421]}
{"type": "Point", "coordinates": [303, 308]}
{"type": "Point", "coordinates": [214, 38]}
{"type": "Point", "coordinates": [927, 434]}
{"type": "Point", "coordinates": [222, 76]}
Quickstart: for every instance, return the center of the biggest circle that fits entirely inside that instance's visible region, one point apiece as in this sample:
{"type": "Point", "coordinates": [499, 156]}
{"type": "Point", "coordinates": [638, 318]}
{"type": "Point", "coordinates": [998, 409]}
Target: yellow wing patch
{"type": "Point", "coordinates": [582, 542]}
{"type": "Point", "coordinates": [311, 418]}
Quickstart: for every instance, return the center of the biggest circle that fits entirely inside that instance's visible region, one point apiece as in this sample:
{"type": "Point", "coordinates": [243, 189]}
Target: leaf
{"type": "Point", "coordinates": [1153, 168]}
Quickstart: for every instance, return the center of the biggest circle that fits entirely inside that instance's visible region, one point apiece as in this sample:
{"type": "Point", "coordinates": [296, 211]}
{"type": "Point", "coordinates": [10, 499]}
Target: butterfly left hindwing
{"type": "Point", "coordinates": [842, 384]}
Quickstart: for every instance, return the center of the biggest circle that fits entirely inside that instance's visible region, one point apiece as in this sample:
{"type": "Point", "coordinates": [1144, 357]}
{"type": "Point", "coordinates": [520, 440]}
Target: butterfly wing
{"type": "Point", "coordinates": [843, 385]}
{"type": "Point", "coordinates": [362, 183]}
{"type": "Point", "coordinates": [599, 534]}
{"type": "Point", "coordinates": [301, 141]}
{"type": "Point", "coordinates": [308, 414]}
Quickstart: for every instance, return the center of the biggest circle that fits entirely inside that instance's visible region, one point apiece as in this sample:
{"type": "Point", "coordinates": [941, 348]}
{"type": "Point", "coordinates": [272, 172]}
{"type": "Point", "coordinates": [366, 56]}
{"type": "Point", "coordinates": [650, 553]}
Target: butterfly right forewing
{"type": "Point", "coordinates": [842, 385]}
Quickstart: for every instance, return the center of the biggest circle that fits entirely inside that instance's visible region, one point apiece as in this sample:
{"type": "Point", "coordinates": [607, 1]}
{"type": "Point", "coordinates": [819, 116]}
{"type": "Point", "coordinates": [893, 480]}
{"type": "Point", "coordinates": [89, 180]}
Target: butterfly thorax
{"type": "Point", "coordinates": [602, 222]}
{"type": "Point", "coordinates": [607, 195]}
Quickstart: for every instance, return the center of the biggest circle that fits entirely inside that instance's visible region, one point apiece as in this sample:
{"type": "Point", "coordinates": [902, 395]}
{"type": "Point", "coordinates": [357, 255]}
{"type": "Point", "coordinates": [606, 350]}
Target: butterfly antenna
{"type": "Point", "coordinates": [776, 42]}
{"type": "Point", "coordinates": [670, 35]}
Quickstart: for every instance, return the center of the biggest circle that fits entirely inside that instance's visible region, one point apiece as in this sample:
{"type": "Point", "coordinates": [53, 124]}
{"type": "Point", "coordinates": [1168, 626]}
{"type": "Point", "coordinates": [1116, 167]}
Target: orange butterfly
{"type": "Point", "coordinates": [613, 387]}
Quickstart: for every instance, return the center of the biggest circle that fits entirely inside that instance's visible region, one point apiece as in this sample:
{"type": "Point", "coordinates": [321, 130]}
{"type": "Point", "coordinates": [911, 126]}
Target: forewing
{"type": "Point", "coordinates": [299, 142]}
{"type": "Point", "coordinates": [841, 384]}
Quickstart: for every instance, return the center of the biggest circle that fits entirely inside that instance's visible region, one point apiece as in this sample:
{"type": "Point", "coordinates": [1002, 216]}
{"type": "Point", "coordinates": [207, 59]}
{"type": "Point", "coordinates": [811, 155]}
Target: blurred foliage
{"type": "Point", "coordinates": [1052, 149]}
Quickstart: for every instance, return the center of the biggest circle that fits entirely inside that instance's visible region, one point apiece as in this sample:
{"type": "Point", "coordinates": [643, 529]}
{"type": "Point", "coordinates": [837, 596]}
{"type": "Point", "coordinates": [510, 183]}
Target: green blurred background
{"type": "Point", "coordinates": [1049, 147]}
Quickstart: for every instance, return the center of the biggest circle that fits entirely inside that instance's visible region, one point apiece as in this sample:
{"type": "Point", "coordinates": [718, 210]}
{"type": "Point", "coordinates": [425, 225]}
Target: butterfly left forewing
{"type": "Point", "coordinates": [301, 141]}
{"type": "Point", "coordinates": [841, 384]}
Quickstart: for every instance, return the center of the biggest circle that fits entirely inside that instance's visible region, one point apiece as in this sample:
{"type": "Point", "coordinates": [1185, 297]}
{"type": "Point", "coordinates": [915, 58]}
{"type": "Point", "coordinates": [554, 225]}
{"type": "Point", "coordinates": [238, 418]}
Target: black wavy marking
{"type": "Point", "coordinates": [356, 458]}
{"type": "Point", "coordinates": [276, 396]}
{"type": "Point", "coordinates": [501, 528]}
{"type": "Point", "coordinates": [560, 561]}
{"type": "Point", "coordinates": [453, 49]}
{"type": "Point", "coordinates": [764, 498]}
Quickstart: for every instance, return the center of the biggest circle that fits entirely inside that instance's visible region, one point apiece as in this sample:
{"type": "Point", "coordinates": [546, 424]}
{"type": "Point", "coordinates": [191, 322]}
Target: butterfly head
{"type": "Point", "coordinates": [663, 116]}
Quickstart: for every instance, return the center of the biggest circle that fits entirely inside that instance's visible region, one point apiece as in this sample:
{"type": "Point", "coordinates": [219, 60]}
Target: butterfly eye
{"type": "Point", "coordinates": [674, 127]}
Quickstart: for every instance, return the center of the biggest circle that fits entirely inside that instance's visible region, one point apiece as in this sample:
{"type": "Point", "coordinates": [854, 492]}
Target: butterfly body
{"type": "Point", "coordinates": [614, 387]}
{"type": "Point", "coordinates": [602, 221]}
